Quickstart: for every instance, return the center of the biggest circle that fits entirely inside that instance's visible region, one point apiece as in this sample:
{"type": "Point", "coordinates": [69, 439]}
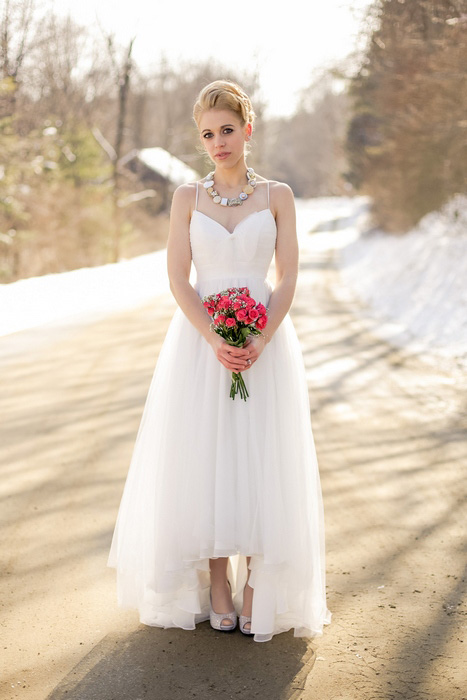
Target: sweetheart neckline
{"type": "Point", "coordinates": [231, 233]}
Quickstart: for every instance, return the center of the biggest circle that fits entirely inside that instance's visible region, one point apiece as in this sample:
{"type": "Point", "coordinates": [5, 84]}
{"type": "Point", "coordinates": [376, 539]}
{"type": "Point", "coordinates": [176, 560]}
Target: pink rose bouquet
{"type": "Point", "coordinates": [235, 316]}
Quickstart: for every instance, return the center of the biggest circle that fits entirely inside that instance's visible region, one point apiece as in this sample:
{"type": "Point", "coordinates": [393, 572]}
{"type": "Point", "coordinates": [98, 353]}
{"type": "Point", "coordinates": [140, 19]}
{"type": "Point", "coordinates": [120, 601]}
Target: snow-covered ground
{"type": "Point", "coordinates": [414, 285]}
{"type": "Point", "coordinates": [82, 295]}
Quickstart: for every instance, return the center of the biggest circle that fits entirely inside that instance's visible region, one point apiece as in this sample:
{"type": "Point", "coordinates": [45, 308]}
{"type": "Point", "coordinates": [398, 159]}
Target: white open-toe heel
{"type": "Point", "coordinates": [216, 618]}
{"type": "Point", "coordinates": [242, 622]}
{"type": "Point", "coordinates": [244, 619]}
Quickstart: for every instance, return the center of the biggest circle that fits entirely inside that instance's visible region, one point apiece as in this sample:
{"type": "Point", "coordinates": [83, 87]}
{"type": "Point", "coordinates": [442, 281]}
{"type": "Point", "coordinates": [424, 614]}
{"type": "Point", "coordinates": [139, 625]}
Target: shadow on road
{"type": "Point", "coordinates": [180, 664]}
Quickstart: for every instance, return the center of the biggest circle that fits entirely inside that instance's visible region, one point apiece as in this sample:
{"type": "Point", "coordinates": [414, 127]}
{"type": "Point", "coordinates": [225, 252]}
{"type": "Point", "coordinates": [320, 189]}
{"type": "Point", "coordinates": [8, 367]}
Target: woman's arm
{"type": "Point", "coordinates": [286, 262]}
{"type": "Point", "coordinates": [178, 268]}
{"type": "Point", "coordinates": [286, 259]}
{"type": "Point", "coordinates": [179, 261]}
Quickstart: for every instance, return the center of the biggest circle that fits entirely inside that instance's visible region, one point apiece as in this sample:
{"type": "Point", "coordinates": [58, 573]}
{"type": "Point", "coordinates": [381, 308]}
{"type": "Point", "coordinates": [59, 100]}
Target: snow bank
{"type": "Point", "coordinates": [417, 281]}
{"type": "Point", "coordinates": [84, 295]}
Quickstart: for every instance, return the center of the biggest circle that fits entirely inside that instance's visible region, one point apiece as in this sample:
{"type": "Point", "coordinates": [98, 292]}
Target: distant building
{"type": "Point", "coordinates": [159, 169]}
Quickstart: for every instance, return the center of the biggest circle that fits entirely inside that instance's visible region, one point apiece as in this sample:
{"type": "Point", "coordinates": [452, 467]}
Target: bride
{"type": "Point", "coordinates": [221, 515]}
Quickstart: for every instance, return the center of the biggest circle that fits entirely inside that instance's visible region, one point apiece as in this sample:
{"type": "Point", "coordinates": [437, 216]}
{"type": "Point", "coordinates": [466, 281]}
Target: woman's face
{"type": "Point", "coordinates": [223, 136]}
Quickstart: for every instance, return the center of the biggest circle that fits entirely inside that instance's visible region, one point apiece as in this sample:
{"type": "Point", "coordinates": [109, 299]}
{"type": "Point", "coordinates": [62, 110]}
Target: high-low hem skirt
{"type": "Point", "coordinates": [215, 477]}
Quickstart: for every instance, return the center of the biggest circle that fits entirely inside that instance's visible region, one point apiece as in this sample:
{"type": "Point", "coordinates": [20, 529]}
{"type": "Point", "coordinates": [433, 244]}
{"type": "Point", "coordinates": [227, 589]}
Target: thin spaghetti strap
{"type": "Point", "coordinates": [196, 205]}
{"type": "Point", "coordinates": [268, 194]}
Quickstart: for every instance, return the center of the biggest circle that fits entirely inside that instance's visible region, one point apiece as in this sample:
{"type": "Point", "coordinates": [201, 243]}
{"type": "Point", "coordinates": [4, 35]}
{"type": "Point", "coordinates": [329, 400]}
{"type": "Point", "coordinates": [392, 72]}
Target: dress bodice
{"type": "Point", "coordinates": [246, 252]}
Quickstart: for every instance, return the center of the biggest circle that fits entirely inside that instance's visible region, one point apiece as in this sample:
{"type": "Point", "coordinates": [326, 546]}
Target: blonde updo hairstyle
{"type": "Point", "coordinates": [224, 94]}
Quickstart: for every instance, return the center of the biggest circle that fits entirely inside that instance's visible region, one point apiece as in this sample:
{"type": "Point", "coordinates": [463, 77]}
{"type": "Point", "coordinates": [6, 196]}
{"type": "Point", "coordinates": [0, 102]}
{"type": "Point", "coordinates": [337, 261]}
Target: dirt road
{"type": "Point", "coordinates": [391, 439]}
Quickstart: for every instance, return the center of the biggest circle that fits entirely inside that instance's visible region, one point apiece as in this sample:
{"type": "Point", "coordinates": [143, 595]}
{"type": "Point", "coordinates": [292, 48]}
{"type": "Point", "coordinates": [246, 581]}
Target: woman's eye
{"type": "Point", "coordinates": [208, 134]}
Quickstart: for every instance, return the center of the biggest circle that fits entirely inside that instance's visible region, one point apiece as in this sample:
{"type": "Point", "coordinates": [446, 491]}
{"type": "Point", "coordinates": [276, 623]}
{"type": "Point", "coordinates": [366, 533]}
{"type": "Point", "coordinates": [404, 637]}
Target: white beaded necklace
{"type": "Point", "coordinates": [208, 184]}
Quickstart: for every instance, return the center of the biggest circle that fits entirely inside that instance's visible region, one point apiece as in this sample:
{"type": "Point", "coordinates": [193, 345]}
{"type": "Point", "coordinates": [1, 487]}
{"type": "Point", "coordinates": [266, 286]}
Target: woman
{"type": "Point", "coordinates": [223, 497]}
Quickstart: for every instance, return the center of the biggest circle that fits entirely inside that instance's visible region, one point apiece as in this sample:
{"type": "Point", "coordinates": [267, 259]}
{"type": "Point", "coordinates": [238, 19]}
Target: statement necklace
{"type": "Point", "coordinates": [208, 184]}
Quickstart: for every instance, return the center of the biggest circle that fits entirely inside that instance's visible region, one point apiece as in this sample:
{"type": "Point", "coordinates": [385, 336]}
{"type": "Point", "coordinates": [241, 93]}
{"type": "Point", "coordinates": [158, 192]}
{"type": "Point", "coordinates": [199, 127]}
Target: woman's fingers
{"type": "Point", "coordinates": [254, 350]}
{"type": "Point", "coordinates": [237, 352]}
{"type": "Point", "coordinates": [238, 359]}
{"type": "Point", "coordinates": [243, 364]}
{"type": "Point", "coordinates": [236, 364]}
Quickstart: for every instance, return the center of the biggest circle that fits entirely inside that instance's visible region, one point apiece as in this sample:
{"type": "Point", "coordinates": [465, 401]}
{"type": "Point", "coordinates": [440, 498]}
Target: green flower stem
{"type": "Point", "coordinates": [238, 386]}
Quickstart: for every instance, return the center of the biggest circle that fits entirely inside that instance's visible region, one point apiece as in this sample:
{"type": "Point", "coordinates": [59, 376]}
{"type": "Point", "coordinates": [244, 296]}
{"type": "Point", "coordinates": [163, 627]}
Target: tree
{"type": "Point", "coordinates": [407, 140]}
{"type": "Point", "coordinates": [15, 29]}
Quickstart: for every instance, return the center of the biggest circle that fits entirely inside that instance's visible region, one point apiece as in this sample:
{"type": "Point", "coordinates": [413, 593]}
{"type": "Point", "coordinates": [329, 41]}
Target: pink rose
{"type": "Point", "coordinates": [261, 308]}
{"type": "Point", "coordinates": [230, 322]}
{"type": "Point", "coordinates": [224, 302]}
{"type": "Point", "coordinates": [250, 303]}
{"type": "Point", "coordinates": [219, 319]}
{"type": "Point", "coordinates": [242, 315]}
{"type": "Point", "coordinates": [211, 310]}
{"type": "Point", "coordinates": [261, 322]}
{"type": "Point", "coordinates": [253, 314]}
{"type": "Point", "coordinates": [237, 305]}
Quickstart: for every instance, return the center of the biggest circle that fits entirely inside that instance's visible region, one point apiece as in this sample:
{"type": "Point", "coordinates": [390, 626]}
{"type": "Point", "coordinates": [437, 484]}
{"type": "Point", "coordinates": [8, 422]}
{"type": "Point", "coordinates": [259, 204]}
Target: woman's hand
{"type": "Point", "coordinates": [238, 359]}
{"type": "Point", "coordinates": [254, 345]}
{"type": "Point", "coordinates": [233, 358]}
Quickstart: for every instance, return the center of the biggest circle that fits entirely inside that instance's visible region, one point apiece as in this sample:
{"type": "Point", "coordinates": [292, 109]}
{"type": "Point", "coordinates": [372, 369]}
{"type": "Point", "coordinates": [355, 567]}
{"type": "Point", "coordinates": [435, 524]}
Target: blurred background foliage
{"type": "Point", "coordinates": [407, 137]}
{"type": "Point", "coordinates": [391, 123]}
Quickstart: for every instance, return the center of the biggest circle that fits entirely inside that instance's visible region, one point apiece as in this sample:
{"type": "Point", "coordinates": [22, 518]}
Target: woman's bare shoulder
{"type": "Point", "coordinates": [184, 201]}
{"type": "Point", "coordinates": [280, 189]}
{"type": "Point", "coordinates": [280, 192]}
{"type": "Point", "coordinates": [281, 197]}
{"type": "Point", "coordinates": [184, 194]}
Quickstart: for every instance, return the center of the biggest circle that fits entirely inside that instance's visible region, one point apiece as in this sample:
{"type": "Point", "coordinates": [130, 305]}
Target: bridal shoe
{"type": "Point", "coordinates": [216, 618]}
{"type": "Point", "coordinates": [242, 622]}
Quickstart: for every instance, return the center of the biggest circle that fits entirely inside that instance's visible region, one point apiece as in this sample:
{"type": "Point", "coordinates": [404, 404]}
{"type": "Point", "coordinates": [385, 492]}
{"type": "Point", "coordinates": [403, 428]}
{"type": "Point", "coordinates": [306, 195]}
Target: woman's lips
{"type": "Point", "coordinates": [223, 155]}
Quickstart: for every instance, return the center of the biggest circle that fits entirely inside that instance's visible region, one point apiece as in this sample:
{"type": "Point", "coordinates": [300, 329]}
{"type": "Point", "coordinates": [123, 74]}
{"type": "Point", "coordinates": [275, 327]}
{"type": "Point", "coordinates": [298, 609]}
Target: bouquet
{"type": "Point", "coordinates": [235, 316]}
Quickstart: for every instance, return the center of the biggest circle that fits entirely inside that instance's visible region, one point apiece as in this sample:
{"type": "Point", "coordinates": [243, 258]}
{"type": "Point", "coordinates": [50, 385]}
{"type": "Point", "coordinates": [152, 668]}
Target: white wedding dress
{"type": "Point", "coordinates": [216, 477]}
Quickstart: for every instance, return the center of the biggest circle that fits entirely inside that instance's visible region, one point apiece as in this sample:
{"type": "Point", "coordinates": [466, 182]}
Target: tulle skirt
{"type": "Point", "coordinates": [215, 477]}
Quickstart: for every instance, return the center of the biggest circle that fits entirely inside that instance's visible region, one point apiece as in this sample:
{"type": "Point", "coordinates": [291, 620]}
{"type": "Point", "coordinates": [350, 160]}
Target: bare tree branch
{"type": "Point", "coordinates": [135, 197]}
{"type": "Point", "coordinates": [102, 141]}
